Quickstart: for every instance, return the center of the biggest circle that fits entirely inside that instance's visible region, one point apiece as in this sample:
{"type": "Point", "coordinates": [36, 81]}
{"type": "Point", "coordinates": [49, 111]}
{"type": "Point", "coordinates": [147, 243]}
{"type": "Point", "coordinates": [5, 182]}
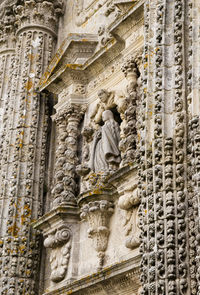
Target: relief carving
{"type": "Point", "coordinates": [128, 129]}
{"type": "Point", "coordinates": [100, 151]}
{"type": "Point", "coordinates": [129, 202]}
{"type": "Point", "coordinates": [98, 214]}
{"type": "Point", "coordinates": [60, 244]}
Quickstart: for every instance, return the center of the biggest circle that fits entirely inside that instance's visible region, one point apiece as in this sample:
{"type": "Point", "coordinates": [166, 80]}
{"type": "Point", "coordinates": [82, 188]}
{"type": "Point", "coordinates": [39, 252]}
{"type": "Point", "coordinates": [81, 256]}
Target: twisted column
{"type": "Point", "coordinates": [65, 186]}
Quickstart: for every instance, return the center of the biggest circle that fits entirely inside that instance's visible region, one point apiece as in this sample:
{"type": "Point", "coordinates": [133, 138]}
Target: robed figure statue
{"type": "Point", "coordinates": [105, 154]}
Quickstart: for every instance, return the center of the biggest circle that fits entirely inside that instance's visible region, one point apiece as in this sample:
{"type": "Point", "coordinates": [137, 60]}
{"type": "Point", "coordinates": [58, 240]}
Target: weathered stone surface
{"type": "Point", "coordinates": [99, 147]}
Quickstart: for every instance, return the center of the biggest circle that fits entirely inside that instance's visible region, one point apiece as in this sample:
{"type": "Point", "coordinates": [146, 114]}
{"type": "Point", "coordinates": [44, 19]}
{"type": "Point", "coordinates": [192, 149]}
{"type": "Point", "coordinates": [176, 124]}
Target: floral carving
{"type": "Point", "coordinates": [129, 131]}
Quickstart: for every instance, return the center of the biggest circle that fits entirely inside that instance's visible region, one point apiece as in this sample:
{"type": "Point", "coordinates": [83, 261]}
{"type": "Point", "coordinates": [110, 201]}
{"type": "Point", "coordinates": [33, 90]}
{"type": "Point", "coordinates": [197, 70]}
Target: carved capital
{"type": "Point", "coordinates": [41, 13]}
{"type": "Point", "coordinates": [7, 28]}
{"type": "Point", "coordinates": [129, 67]}
{"type": "Point", "coordinates": [69, 112]}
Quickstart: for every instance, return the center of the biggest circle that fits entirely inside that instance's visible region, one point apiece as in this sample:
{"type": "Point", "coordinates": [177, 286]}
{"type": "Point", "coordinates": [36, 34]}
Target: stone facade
{"type": "Point", "coordinates": [99, 147]}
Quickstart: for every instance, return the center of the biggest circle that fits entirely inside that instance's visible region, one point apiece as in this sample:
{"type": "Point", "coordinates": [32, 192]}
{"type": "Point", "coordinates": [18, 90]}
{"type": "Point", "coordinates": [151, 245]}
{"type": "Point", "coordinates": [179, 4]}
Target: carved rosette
{"type": "Point", "coordinates": [60, 244]}
{"type": "Point", "coordinates": [98, 214]}
{"type": "Point", "coordinates": [65, 186]}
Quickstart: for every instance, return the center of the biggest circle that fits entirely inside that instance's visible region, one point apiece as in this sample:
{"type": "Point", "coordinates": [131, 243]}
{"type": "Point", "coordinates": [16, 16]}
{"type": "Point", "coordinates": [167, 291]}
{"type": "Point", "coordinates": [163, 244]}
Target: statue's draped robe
{"type": "Point", "coordinates": [105, 149]}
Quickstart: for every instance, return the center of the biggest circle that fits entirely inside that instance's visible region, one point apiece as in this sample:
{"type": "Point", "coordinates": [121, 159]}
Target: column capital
{"type": "Point", "coordinates": [7, 28]}
{"type": "Point", "coordinates": [72, 111]}
{"type": "Point", "coordinates": [41, 14]}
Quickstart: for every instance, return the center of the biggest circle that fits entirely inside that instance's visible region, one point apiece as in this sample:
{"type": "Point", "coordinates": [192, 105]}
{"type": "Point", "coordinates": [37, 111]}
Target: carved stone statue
{"type": "Point", "coordinates": [107, 101]}
{"type": "Point", "coordinates": [105, 154]}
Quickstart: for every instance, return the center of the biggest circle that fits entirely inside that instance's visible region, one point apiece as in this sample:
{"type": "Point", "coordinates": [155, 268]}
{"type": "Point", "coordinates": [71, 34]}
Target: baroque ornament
{"type": "Point", "coordinates": [23, 144]}
{"type": "Point", "coordinates": [105, 153]}
{"type": "Point", "coordinates": [65, 187]}
{"type": "Point", "coordinates": [60, 244]}
{"type": "Point", "coordinates": [98, 214]}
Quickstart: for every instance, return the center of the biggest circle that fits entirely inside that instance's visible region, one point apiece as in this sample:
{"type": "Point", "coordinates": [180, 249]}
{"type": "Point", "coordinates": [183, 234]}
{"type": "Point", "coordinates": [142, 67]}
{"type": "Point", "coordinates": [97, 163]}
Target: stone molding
{"type": "Point", "coordinates": [120, 277]}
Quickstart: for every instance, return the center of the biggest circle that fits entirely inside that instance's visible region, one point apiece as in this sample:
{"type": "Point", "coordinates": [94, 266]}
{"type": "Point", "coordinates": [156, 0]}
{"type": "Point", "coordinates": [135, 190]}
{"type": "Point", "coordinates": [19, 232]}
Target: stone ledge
{"type": "Point", "coordinates": [121, 277]}
{"type": "Point", "coordinates": [55, 215]}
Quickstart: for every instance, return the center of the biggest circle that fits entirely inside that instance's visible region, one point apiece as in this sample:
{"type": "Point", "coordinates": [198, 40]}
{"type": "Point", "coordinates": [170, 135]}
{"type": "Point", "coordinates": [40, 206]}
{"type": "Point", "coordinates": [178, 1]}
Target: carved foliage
{"type": "Point", "coordinates": [45, 13]}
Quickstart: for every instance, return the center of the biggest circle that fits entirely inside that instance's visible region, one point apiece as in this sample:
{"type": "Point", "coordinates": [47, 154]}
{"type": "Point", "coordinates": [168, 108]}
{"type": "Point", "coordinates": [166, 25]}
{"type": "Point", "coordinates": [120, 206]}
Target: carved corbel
{"type": "Point", "coordinates": [98, 214]}
{"type": "Point", "coordinates": [60, 229]}
{"type": "Point", "coordinates": [59, 242]}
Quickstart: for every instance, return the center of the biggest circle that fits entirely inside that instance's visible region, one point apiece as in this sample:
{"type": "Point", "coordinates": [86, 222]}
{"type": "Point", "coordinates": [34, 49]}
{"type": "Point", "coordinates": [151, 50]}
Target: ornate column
{"type": "Point", "coordinates": [7, 57]}
{"type": "Point", "coordinates": [129, 131]}
{"type": "Point", "coordinates": [25, 145]}
{"type": "Point", "coordinates": [193, 23]}
{"type": "Point", "coordinates": [163, 175]}
{"type": "Point", "coordinates": [65, 185]}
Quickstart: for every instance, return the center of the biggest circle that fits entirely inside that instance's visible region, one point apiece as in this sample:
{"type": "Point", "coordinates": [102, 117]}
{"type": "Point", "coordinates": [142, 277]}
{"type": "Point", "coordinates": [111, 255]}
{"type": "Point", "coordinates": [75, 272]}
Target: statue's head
{"type": "Point", "coordinates": [103, 95]}
{"type": "Point", "coordinates": [107, 115]}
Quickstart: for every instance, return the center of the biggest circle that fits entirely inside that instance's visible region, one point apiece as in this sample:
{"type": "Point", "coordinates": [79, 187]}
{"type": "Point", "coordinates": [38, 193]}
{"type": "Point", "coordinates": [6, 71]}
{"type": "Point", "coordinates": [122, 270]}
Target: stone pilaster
{"type": "Point", "coordinates": [163, 175]}
{"type": "Point", "coordinates": [23, 153]}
